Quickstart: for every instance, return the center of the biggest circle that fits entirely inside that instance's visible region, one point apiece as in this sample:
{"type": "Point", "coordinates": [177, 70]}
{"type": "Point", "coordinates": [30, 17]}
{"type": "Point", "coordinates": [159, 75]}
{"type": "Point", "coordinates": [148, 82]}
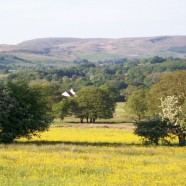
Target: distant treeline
{"type": "Point", "coordinates": [144, 72]}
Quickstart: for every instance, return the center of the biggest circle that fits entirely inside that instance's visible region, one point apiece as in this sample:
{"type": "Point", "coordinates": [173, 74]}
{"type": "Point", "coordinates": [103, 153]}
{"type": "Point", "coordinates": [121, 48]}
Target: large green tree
{"type": "Point", "coordinates": [172, 83]}
{"type": "Point", "coordinates": [23, 111]}
{"type": "Point", "coordinates": [94, 103]}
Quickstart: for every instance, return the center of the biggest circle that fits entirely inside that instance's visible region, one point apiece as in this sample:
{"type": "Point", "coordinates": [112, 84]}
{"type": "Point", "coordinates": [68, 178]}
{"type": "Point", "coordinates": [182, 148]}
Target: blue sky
{"type": "Point", "coordinates": [28, 19]}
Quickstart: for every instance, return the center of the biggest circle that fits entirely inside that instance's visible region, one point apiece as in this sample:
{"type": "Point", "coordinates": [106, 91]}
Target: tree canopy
{"type": "Point", "coordinates": [94, 103]}
{"type": "Point", "coordinates": [23, 111]}
{"type": "Point", "coordinates": [137, 103]}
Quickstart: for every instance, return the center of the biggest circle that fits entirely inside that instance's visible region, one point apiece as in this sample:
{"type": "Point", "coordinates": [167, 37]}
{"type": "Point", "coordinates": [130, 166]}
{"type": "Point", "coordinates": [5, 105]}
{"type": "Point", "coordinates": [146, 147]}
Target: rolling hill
{"type": "Point", "coordinates": [60, 51]}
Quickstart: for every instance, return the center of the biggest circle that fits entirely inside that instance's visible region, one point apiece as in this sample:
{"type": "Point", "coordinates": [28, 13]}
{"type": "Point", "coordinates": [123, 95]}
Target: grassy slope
{"type": "Point", "coordinates": [44, 60]}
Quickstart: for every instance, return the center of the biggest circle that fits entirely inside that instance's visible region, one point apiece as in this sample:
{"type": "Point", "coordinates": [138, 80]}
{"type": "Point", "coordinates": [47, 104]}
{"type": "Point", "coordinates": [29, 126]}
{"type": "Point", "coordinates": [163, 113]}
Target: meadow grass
{"type": "Point", "coordinates": [90, 155]}
{"type": "Point", "coordinates": [103, 154]}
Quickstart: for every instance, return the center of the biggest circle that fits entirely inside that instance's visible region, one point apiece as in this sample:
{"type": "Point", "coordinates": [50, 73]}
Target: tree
{"type": "Point", "coordinates": [173, 84]}
{"type": "Point", "coordinates": [172, 112]}
{"type": "Point", "coordinates": [23, 111]}
{"type": "Point", "coordinates": [137, 103]}
{"type": "Point", "coordinates": [170, 84]}
{"type": "Point", "coordinates": [152, 78]}
{"type": "Point", "coordinates": [94, 103]}
{"type": "Point", "coordinates": [113, 93]}
{"type": "Point", "coordinates": [129, 90]}
{"type": "Point", "coordinates": [135, 76]}
{"type": "Point", "coordinates": [156, 59]}
{"type": "Point", "coordinates": [50, 90]}
{"type": "Point", "coordinates": [61, 109]}
{"type": "Point", "coordinates": [67, 106]}
{"type": "Point", "coordinates": [152, 131]}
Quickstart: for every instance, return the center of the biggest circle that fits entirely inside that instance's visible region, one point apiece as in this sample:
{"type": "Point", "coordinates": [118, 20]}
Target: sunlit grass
{"type": "Point", "coordinates": [81, 155]}
{"type": "Point", "coordinates": [90, 135]}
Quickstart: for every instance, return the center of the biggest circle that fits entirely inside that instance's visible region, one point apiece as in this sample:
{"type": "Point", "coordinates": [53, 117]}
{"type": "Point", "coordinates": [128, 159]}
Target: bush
{"type": "Point", "coordinates": [152, 131]}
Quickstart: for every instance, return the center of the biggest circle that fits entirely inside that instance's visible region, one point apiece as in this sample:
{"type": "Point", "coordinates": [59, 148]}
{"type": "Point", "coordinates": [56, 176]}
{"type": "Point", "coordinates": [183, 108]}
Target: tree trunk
{"type": "Point", "coordinates": [139, 117]}
{"type": "Point", "coordinates": [81, 120]}
{"type": "Point", "coordinates": [94, 120]}
{"type": "Point", "coordinates": [87, 119]}
{"type": "Point", "coordinates": [156, 141]}
{"type": "Point", "coordinates": [181, 138]}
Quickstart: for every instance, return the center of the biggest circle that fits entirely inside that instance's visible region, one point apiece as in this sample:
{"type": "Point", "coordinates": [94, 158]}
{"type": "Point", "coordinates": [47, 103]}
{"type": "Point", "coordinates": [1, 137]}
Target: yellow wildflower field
{"type": "Point", "coordinates": [90, 156]}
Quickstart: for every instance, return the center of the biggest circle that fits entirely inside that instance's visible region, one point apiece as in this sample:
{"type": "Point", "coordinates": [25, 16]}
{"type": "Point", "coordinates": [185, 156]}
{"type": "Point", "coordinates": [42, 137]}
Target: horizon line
{"type": "Point", "coordinates": [72, 37]}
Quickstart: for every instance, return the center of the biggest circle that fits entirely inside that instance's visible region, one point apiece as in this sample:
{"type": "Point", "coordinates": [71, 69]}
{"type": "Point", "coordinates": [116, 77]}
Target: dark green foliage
{"type": "Point", "coordinates": [157, 59]}
{"type": "Point", "coordinates": [23, 111]}
{"type": "Point", "coordinates": [152, 131]}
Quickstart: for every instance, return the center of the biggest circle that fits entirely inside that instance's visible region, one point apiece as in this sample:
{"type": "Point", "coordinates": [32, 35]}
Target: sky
{"type": "Point", "coordinates": [22, 20]}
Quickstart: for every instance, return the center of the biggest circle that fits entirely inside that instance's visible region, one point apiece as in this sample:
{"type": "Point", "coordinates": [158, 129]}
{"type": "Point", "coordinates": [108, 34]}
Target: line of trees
{"type": "Point", "coordinates": [144, 72]}
{"type": "Point", "coordinates": [90, 103]}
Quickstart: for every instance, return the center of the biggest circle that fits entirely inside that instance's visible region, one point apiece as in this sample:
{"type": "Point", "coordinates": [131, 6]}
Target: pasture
{"type": "Point", "coordinates": [90, 155]}
{"type": "Point", "coordinates": [103, 154]}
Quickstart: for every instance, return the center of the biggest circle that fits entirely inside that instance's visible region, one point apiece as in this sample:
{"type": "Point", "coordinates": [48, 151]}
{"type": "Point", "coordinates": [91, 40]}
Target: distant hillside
{"type": "Point", "coordinates": [63, 50]}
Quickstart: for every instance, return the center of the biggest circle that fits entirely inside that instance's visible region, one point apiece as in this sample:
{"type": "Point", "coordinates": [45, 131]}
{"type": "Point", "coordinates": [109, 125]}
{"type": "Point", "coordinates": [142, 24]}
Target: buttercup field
{"type": "Point", "coordinates": [93, 93]}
